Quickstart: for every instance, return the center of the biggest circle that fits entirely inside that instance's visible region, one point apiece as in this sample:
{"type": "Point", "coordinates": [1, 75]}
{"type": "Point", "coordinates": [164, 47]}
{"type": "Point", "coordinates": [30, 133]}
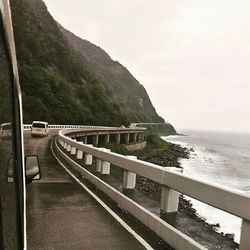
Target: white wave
{"type": "Point", "coordinates": [210, 165]}
{"type": "Point", "coordinates": [228, 222]}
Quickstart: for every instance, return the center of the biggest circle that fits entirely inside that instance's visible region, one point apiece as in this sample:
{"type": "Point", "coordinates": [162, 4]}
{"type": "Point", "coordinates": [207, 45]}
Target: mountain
{"type": "Point", "coordinates": [66, 79]}
{"type": "Point", "coordinates": [128, 92]}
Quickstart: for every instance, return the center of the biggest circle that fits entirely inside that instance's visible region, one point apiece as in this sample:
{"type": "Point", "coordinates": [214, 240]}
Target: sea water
{"type": "Point", "coordinates": [222, 158]}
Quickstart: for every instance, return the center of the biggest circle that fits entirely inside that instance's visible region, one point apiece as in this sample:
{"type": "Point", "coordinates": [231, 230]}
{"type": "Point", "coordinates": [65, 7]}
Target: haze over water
{"type": "Point", "coordinates": [221, 158]}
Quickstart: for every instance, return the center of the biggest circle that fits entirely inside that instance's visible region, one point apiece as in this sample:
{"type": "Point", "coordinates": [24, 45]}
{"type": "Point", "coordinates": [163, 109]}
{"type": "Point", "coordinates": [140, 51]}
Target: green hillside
{"type": "Point", "coordinates": [63, 83]}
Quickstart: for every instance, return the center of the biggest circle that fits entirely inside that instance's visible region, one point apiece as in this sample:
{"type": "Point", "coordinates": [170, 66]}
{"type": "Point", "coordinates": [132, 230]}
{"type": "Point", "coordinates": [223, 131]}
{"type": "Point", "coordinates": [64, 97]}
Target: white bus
{"type": "Point", "coordinates": [39, 128]}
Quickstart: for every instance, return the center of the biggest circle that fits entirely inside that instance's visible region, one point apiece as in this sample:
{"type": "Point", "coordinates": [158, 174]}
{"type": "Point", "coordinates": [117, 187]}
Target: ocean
{"type": "Point", "coordinates": [222, 158]}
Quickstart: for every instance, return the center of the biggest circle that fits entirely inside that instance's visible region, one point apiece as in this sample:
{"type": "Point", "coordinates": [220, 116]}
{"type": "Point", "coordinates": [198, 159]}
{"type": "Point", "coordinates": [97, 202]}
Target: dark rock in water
{"type": "Point", "coordinates": [215, 225]}
{"type": "Point", "coordinates": [230, 236]}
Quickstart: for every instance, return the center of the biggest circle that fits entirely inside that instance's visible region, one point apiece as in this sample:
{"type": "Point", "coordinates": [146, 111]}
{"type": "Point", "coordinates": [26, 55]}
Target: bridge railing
{"type": "Point", "coordinates": [224, 198]}
{"type": "Point", "coordinates": [54, 126]}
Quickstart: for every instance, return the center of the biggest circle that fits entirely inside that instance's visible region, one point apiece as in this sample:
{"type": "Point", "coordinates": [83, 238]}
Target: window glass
{"type": "Point", "coordinates": [38, 125]}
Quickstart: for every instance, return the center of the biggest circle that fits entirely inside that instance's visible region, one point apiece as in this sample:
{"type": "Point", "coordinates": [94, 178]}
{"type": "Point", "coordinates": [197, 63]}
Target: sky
{"type": "Point", "coordinates": [192, 56]}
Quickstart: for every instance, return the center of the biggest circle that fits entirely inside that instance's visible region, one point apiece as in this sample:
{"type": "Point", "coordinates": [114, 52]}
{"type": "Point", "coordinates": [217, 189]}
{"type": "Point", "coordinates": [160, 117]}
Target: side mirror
{"type": "Point", "coordinates": [32, 168]}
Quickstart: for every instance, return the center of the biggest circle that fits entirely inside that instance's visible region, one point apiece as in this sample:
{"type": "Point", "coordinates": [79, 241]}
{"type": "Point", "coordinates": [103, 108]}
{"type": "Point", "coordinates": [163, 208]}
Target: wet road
{"type": "Point", "coordinates": [61, 215]}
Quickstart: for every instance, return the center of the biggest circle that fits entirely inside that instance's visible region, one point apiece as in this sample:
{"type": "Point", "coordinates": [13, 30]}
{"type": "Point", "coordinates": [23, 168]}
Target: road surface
{"type": "Point", "coordinates": [61, 215]}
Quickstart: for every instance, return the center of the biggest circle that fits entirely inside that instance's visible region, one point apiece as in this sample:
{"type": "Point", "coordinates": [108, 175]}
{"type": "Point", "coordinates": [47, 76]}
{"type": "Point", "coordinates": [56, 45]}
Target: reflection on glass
{"type": "Point", "coordinates": [6, 131]}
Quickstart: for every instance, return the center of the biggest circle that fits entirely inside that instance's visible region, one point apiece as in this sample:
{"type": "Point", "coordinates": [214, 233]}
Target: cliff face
{"type": "Point", "coordinates": [128, 92]}
{"type": "Point", "coordinates": [65, 79]}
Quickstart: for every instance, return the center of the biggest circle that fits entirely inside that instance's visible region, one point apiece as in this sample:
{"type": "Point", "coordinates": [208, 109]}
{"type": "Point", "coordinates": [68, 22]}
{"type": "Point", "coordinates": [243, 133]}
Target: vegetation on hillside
{"type": "Point", "coordinates": [155, 146]}
{"type": "Point", "coordinates": [128, 92]}
{"type": "Point", "coordinates": [162, 129]}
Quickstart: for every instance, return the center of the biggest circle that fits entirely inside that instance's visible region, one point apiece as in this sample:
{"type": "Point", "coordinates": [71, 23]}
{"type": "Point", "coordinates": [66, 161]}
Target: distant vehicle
{"type": "Point", "coordinates": [5, 131]}
{"type": "Point", "coordinates": [39, 128]}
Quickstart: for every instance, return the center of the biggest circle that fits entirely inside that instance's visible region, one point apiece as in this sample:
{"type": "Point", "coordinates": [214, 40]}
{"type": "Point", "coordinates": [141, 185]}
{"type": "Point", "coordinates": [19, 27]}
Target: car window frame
{"type": "Point", "coordinates": [17, 124]}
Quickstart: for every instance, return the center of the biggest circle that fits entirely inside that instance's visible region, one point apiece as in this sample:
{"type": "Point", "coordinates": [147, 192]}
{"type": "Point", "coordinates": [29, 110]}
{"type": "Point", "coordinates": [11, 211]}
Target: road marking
{"type": "Point", "coordinates": [115, 216]}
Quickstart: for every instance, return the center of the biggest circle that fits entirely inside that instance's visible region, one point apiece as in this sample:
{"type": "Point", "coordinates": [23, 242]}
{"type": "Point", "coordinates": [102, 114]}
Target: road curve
{"type": "Point", "coordinates": [61, 215]}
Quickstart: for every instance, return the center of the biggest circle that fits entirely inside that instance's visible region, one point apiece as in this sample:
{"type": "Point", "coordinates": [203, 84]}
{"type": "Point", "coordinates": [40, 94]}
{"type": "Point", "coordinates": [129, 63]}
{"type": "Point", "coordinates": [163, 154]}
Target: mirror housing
{"type": "Point", "coordinates": [32, 168]}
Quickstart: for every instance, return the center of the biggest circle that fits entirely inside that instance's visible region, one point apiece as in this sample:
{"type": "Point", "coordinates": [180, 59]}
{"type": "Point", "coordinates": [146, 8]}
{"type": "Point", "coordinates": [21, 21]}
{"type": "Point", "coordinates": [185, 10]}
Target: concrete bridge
{"type": "Point", "coordinates": [80, 158]}
{"type": "Point", "coordinates": [131, 138]}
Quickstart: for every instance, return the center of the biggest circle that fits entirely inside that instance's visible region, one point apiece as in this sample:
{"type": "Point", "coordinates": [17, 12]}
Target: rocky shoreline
{"type": "Point", "coordinates": [169, 158]}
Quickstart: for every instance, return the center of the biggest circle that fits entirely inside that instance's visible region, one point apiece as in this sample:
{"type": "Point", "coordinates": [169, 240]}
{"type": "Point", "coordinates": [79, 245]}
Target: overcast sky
{"type": "Point", "coordinates": [192, 56]}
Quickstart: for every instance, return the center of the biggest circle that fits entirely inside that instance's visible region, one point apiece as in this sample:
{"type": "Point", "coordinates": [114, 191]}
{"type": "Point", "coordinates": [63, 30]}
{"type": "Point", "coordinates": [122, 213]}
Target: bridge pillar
{"type": "Point", "coordinates": [106, 138]}
{"type": "Point", "coordinates": [88, 159]}
{"type": "Point", "coordinates": [95, 139]}
{"type": "Point", "coordinates": [139, 137]}
{"type": "Point", "coordinates": [65, 145]}
{"type": "Point", "coordinates": [118, 138]}
{"type": "Point", "coordinates": [127, 138]}
{"type": "Point", "coordinates": [105, 168]}
{"type": "Point", "coordinates": [134, 137]}
{"type": "Point", "coordinates": [79, 153]}
{"type": "Point", "coordinates": [129, 178]}
{"type": "Point", "coordinates": [85, 139]}
{"type": "Point", "coordinates": [245, 233]}
{"type": "Point", "coordinates": [143, 136]}
{"type": "Point", "coordinates": [170, 198]}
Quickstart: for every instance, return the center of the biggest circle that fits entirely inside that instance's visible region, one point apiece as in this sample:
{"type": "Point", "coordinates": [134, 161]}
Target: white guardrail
{"type": "Point", "coordinates": [28, 126]}
{"type": "Point", "coordinates": [221, 197]}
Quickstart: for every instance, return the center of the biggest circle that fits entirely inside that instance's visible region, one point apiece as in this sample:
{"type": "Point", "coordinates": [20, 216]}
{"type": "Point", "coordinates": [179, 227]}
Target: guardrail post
{"type": "Point", "coordinates": [73, 149]}
{"type": "Point", "coordinates": [245, 235]}
{"type": "Point", "coordinates": [99, 162]}
{"type": "Point", "coordinates": [88, 159]}
{"type": "Point", "coordinates": [79, 153]}
{"type": "Point", "coordinates": [105, 166]}
{"type": "Point", "coordinates": [129, 178]}
{"type": "Point", "coordinates": [68, 148]}
{"type": "Point", "coordinates": [170, 198]}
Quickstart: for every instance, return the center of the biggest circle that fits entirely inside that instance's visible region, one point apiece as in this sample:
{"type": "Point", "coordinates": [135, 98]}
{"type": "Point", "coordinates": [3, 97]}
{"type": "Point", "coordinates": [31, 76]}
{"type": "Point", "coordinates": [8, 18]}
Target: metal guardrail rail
{"type": "Point", "coordinates": [224, 198]}
{"type": "Point", "coordinates": [86, 127]}
{"type": "Point", "coordinates": [28, 126]}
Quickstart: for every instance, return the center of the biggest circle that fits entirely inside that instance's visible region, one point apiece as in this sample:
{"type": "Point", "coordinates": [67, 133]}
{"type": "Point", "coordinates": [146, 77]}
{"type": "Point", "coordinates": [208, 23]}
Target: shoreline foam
{"type": "Point", "coordinates": [228, 223]}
